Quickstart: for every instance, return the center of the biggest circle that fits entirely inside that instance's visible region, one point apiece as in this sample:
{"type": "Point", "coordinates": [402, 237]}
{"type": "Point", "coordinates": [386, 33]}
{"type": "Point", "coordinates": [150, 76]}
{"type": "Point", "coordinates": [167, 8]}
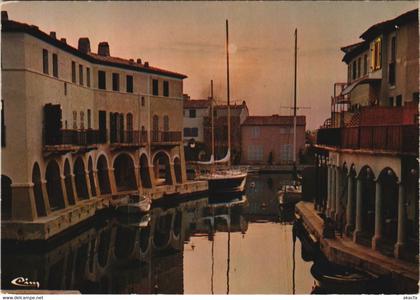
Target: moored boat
{"type": "Point", "coordinates": [134, 204]}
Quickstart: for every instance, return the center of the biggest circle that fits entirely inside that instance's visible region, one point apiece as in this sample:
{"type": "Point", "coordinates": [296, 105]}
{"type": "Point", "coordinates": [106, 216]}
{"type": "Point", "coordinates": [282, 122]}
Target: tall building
{"type": "Point", "coordinates": [367, 162]}
{"type": "Point", "coordinates": [79, 128]}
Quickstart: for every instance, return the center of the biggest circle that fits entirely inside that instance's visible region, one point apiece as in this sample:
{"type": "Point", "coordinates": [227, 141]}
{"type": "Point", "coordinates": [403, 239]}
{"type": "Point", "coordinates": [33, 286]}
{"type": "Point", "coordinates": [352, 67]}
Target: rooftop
{"type": "Point", "coordinates": [274, 120]}
{"type": "Point", "coordinates": [201, 103]}
{"type": "Point", "coordinates": [14, 26]}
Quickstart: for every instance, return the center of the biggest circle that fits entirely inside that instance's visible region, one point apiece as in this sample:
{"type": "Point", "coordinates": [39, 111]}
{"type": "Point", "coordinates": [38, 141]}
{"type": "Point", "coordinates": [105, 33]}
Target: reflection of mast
{"type": "Point", "coordinates": [212, 266]}
{"type": "Point", "coordinates": [294, 263]}
{"type": "Point", "coordinates": [228, 256]}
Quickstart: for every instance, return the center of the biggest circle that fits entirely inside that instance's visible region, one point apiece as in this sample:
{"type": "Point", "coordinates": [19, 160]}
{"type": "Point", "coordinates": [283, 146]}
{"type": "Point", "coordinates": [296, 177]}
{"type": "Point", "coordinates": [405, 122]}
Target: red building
{"type": "Point", "coordinates": [269, 139]}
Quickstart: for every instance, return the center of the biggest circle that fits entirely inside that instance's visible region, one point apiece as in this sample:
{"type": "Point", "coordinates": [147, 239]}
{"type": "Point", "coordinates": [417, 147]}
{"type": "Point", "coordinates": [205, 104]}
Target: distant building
{"type": "Point", "coordinates": [367, 152]}
{"type": "Point", "coordinates": [269, 139]}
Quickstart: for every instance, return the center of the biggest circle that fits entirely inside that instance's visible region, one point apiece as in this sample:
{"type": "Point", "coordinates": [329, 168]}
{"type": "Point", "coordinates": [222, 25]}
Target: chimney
{"type": "Point", "coordinates": [84, 45]}
{"type": "Point", "coordinates": [53, 34]}
{"type": "Point", "coordinates": [63, 40]}
{"type": "Point", "coordinates": [139, 60]}
{"type": "Point", "coordinates": [131, 61]}
{"type": "Point", "coordinates": [4, 15]}
{"type": "Point", "coordinates": [146, 64]}
{"type": "Point", "coordinates": [103, 49]}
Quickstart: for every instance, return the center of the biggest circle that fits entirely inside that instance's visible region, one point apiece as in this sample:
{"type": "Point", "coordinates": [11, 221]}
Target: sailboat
{"type": "Point", "coordinates": [221, 179]}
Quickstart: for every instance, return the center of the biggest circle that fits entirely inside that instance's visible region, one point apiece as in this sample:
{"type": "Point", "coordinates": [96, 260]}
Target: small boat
{"type": "Point", "coordinates": [134, 204]}
{"type": "Point", "coordinates": [289, 195]}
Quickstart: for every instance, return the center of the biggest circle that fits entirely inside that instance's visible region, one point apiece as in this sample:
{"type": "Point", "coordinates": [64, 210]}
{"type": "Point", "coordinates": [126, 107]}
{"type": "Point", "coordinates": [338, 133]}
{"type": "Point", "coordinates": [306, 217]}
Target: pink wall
{"type": "Point", "coordinates": [271, 139]}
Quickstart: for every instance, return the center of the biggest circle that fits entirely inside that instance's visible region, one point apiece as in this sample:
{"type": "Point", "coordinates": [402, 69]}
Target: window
{"type": "Point", "coordinates": [166, 88]}
{"type": "Point", "coordinates": [102, 80]}
{"type": "Point", "coordinates": [376, 55]}
{"type": "Point", "coordinates": [55, 65]}
{"type": "Point", "coordinates": [80, 74]}
{"type": "Point", "coordinates": [165, 123]}
{"type": "Point", "coordinates": [142, 101]}
{"type": "Point", "coordinates": [354, 70]}
{"type": "Point", "coordinates": [391, 101]}
{"type": "Point", "coordinates": [391, 66]}
{"type": "Point", "coordinates": [129, 122]}
{"type": "Point", "coordinates": [393, 49]}
{"type": "Point", "coordinates": [255, 132]}
{"type": "Point", "coordinates": [255, 152]}
{"type": "Point", "coordinates": [359, 67]}
{"type": "Point", "coordinates": [365, 64]}
{"type": "Point", "coordinates": [88, 77]}
{"type": "Point", "coordinates": [82, 120]}
{"type": "Point", "coordinates": [129, 84]}
{"type": "Point", "coordinates": [187, 131]}
{"type": "Point", "coordinates": [73, 72]}
{"type": "Point", "coordinates": [194, 131]}
{"type": "Point", "coordinates": [74, 119]}
{"type": "Point", "coordinates": [115, 82]}
{"type": "Point", "coordinates": [65, 88]}
{"type": "Point", "coordinates": [3, 126]}
{"type": "Point", "coordinates": [89, 119]}
{"type": "Point", "coordinates": [45, 61]}
{"type": "Point", "coordinates": [349, 73]}
{"type": "Point", "coordinates": [155, 87]}
{"type": "Point", "coordinates": [193, 113]}
{"type": "Point", "coordinates": [286, 151]}
{"type": "Point", "coordinates": [398, 101]}
{"type": "Point", "coordinates": [416, 97]}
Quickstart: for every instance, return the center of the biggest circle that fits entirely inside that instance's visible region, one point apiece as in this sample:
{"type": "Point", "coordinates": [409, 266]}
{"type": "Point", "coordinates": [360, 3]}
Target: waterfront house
{"type": "Point", "coordinates": [80, 128]}
{"type": "Point", "coordinates": [269, 139]}
{"type": "Point", "coordinates": [367, 152]}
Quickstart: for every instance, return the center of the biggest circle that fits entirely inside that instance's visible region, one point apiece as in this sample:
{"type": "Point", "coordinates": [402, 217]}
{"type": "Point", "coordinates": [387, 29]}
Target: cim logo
{"type": "Point", "coordinates": [20, 281]}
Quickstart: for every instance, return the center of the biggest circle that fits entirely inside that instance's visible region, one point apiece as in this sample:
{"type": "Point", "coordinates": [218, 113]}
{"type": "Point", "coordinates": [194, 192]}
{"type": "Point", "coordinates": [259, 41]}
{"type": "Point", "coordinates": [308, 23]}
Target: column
{"type": "Point", "coordinates": [333, 191]}
{"type": "Point", "coordinates": [89, 190]}
{"type": "Point", "coordinates": [172, 169]}
{"type": "Point", "coordinates": [23, 202]}
{"type": "Point", "coordinates": [402, 216]}
{"type": "Point", "coordinates": [350, 205]}
{"type": "Point", "coordinates": [73, 185]}
{"type": "Point", "coordinates": [138, 179]}
{"type": "Point", "coordinates": [378, 215]}
{"type": "Point", "coordinates": [358, 228]}
{"type": "Point", "coordinates": [328, 189]}
{"type": "Point", "coordinates": [338, 207]}
{"type": "Point", "coordinates": [96, 181]}
{"type": "Point", "coordinates": [45, 197]}
{"type": "Point", "coordinates": [113, 185]}
{"type": "Point", "coordinates": [63, 189]}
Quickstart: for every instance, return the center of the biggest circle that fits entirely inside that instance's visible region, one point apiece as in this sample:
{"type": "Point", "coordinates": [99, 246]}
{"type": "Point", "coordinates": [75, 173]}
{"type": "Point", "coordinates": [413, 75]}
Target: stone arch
{"type": "Point", "coordinates": [178, 170]}
{"type": "Point", "coordinates": [162, 168]}
{"type": "Point", "coordinates": [124, 242]}
{"type": "Point", "coordinates": [388, 181]}
{"type": "Point", "coordinates": [367, 180]}
{"type": "Point", "coordinates": [103, 175]}
{"type": "Point", "coordinates": [68, 182]}
{"type": "Point", "coordinates": [6, 197]}
{"type": "Point", "coordinates": [91, 177]}
{"type": "Point", "coordinates": [80, 173]}
{"type": "Point", "coordinates": [54, 189]}
{"type": "Point", "coordinates": [39, 196]}
{"type": "Point", "coordinates": [125, 177]}
{"type": "Point", "coordinates": [144, 172]}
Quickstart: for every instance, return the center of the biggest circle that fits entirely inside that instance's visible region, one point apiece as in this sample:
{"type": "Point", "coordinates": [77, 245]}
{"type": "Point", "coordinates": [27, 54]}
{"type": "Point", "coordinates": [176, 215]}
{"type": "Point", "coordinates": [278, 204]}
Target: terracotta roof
{"type": "Point", "coordinates": [14, 26]}
{"type": "Point", "coordinates": [349, 48]}
{"type": "Point", "coordinates": [380, 27]}
{"type": "Point", "coordinates": [202, 103]}
{"type": "Point", "coordinates": [274, 120]}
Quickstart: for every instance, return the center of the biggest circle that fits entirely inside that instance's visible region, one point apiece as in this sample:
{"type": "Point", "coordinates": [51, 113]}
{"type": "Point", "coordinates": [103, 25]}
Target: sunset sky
{"type": "Point", "coordinates": [189, 37]}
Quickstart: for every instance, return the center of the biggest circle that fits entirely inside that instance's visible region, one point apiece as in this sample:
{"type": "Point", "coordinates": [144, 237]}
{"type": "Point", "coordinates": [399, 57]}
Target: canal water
{"type": "Point", "coordinates": [197, 246]}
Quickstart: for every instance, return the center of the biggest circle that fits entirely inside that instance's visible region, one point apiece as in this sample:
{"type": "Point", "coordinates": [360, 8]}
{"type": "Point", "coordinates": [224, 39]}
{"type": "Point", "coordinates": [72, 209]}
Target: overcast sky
{"type": "Point", "coordinates": [189, 37]}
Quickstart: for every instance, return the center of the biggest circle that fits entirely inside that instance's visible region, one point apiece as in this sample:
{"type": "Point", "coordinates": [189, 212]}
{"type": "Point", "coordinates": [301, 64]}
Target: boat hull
{"type": "Point", "coordinates": [227, 185]}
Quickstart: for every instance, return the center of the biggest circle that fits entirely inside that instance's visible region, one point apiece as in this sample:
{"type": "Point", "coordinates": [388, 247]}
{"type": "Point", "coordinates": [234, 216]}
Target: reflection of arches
{"type": "Point", "coordinates": [144, 235]}
{"type": "Point", "coordinates": [103, 248]}
{"type": "Point", "coordinates": [68, 182]}
{"type": "Point", "coordinates": [79, 172]}
{"type": "Point", "coordinates": [177, 223]}
{"type": "Point", "coordinates": [91, 177]}
{"type": "Point", "coordinates": [39, 197]}
{"type": "Point", "coordinates": [162, 169]}
{"type": "Point", "coordinates": [162, 231]}
{"type": "Point", "coordinates": [389, 196]}
{"type": "Point", "coordinates": [125, 178]}
{"type": "Point", "coordinates": [6, 197]}
{"type": "Point", "coordinates": [124, 242]}
{"type": "Point", "coordinates": [144, 172]}
{"type": "Point", "coordinates": [103, 177]}
{"type": "Point", "coordinates": [54, 190]}
{"type": "Point", "coordinates": [366, 178]}
{"type": "Point", "coordinates": [178, 171]}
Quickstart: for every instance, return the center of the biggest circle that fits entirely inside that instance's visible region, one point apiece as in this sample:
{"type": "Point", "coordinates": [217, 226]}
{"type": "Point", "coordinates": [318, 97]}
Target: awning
{"type": "Point", "coordinates": [363, 80]}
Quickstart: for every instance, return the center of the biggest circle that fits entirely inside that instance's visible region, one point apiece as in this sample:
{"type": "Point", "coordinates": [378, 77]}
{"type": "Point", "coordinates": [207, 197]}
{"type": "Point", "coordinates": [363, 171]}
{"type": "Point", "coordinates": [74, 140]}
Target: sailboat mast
{"type": "Point", "coordinates": [212, 119]}
{"type": "Point", "coordinates": [228, 87]}
{"type": "Point", "coordinates": [294, 103]}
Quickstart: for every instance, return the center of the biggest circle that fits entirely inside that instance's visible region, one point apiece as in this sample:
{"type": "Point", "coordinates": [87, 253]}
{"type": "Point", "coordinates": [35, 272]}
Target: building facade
{"type": "Point", "coordinates": [80, 128]}
{"type": "Point", "coordinates": [269, 139]}
{"type": "Point", "coordinates": [367, 153]}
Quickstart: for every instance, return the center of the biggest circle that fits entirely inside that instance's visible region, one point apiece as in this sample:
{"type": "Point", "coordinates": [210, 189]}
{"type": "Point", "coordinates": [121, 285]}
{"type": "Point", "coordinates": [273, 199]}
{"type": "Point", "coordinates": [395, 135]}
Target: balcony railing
{"type": "Point", "coordinates": [393, 138]}
{"type": "Point", "coordinates": [166, 136]}
{"type": "Point", "coordinates": [130, 137]}
{"type": "Point", "coordinates": [73, 137]}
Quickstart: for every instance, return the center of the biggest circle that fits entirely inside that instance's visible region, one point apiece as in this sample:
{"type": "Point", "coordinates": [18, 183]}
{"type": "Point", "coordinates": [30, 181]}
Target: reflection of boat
{"type": "Point", "coordinates": [222, 180]}
{"type": "Point", "coordinates": [134, 204]}
{"type": "Point", "coordinates": [289, 195]}
{"type": "Point", "coordinates": [338, 279]}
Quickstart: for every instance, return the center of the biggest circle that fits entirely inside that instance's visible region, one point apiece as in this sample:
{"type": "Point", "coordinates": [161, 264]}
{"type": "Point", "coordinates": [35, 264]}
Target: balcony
{"type": "Point", "coordinates": [166, 137]}
{"type": "Point", "coordinates": [388, 138]}
{"type": "Point", "coordinates": [128, 138]}
{"type": "Point", "coordinates": [66, 140]}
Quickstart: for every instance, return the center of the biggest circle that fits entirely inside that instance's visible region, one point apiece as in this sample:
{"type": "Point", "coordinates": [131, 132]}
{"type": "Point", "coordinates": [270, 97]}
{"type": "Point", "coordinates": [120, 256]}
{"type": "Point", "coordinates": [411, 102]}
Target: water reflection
{"type": "Point", "coordinates": [236, 246]}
